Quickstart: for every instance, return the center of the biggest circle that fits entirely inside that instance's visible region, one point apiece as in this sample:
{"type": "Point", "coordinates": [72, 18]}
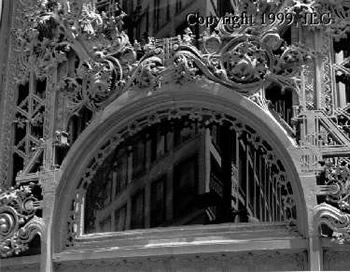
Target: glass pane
{"type": "Point", "coordinates": [156, 183]}
{"type": "Point", "coordinates": [138, 211]}
{"type": "Point", "coordinates": [158, 208]}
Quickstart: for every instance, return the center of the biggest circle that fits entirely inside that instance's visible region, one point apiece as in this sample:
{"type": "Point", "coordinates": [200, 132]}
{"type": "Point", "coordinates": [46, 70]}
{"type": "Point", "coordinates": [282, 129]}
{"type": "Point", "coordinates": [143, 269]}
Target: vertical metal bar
{"type": "Point", "coordinates": [148, 153]}
{"type": "Point", "coordinates": [265, 191]}
{"type": "Point", "coordinates": [274, 180]}
{"type": "Point", "coordinates": [268, 180]}
{"type": "Point", "coordinates": [247, 177]}
{"type": "Point", "coordinates": [261, 187]}
{"type": "Point", "coordinates": [147, 205]}
{"type": "Point", "coordinates": [303, 95]}
{"type": "Point", "coordinates": [129, 164]}
{"type": "Point", "coordinates": [255, 186]}
{"type": "Point", "coordinates": [280, 201]}
{"type": "Point", "coordinates": [169, 187]}
{"type": "Point", "coordinates": [128, 213]}
{"type": "Point", "coordinates": [207, 143]}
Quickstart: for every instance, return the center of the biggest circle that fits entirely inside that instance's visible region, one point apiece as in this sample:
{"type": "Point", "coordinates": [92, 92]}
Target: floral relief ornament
{"type": "Point", "coordinates": [18, 222]}
{"type": "Point", "coordinates": [335, 211]}
{"type": "Point", "coordinates": [240, 58]}
{"type": "Point", "coordinates": [107, 64]}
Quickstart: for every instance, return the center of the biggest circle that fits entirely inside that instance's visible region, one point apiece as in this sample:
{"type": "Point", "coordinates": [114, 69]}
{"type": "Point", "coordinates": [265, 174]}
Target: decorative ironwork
{"type": "Point", "coordinates": [107, 64]}
{"type": "Point", "coordinates": [18, 222]}
{"type": "Point", "coordinates": [335, 211]}
{"type": "Point", "coordinates": [29, 123]}
{"type": "Point", "coordinates": [48, 33]}
{"type": "Point", "coordinates": [54, 28]}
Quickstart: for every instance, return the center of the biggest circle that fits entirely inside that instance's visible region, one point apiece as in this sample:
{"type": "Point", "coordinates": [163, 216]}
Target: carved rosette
{"type": "Point", "coordinates": [244, 62]}
{"type": "Point", "coordinates": [18, 222]}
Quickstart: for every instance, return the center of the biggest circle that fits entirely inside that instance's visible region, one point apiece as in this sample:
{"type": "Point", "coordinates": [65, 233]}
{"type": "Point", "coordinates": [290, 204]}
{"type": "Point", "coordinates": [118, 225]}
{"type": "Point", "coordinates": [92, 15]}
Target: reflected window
{"type": "Point", "coordinates": [158, 202]}
{"type": "Point", "coordinates": [78, 122]}
{"type": "Point", "coordinates": [282, 101]}
{"type": "Point", "coordinates": [181, 172]}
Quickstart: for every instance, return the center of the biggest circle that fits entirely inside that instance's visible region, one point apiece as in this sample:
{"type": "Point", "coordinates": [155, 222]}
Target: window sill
{"type": "Point", "coordinates": [20, 262]}
{"type": "Point", "coordinates": [184, 240]}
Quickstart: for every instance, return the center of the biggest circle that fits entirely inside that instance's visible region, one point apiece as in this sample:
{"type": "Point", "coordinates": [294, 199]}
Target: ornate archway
{"type": "Point", "coordinates": [133, 111]}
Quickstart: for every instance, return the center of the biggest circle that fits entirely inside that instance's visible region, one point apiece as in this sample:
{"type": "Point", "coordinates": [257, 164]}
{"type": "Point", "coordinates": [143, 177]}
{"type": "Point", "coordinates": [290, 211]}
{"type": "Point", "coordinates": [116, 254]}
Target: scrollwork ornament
{"type": "Point", "coordinates": [337, 182]}
{"type": "Point", "coordinates": [335, 211]}
{"type": "Point", "coordinates": [18, 222]}
{"type": "Point", "coordinates": [245, 63]}
{"type": "Point", "coordinates": [52, 30]}
{"type": "Point", "coordinates": [107, 63]}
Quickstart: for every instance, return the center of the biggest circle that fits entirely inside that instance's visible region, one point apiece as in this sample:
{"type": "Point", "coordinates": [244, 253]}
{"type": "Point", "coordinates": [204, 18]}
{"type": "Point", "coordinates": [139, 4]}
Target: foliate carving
{"type": "Point", "coordinates": [107, 64]}
{"type": "Point", "coordinates": [240, 61]}
{"type": "Point", "coordinates": [205, 117]}
{"type": "Point", "coordinates": [337, 176]}
{"type": "Point", "coordinates": [18, 222]}
{"type": "Point", "coordinates": [336, 22]}
{"type": "Point", "coordinates": [55, 28]}
{"type": "Point", "coordinates": [337, 220]}
{"type": "Point", "coordinates": [340, 14]}
{"type": "Point", "coordinates": [245, 62]}
{"type": "Point", "coordinates": [335, 211]}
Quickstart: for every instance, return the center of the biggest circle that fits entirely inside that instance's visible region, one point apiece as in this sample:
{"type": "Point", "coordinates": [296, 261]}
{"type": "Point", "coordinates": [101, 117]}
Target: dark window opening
{"type": "Point", "coordinates": [281, 102]}
{"type": "Point", "coordinates": [78, 123]}
{"type": "Point", "coordinates": [158, 202]}
{"type": "Point", "coordinates": [18, 164]}
{"type": "Point", "coordinates": [180, 172]}
{"type": "Point", "coordinates": [341, 58]}
{"type": "Point", "coordinates": [23, 92]}
{"type": "Point", "coordinates": [137, 210]}
{"type": "Point", "coordinates": [40, 89]}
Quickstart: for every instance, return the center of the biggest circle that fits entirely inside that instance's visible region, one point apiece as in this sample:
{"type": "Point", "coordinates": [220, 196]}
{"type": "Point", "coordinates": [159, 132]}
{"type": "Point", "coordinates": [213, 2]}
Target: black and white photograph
{"type": "Point", "coordinates": [174, 135]}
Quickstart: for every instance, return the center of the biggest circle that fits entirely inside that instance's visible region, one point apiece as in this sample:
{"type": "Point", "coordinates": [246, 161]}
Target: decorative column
{"type": "Point", "coordinates": [48, 181]}
{"type": "Point", "coordinates": [315, 247]}
{"type": "Point", "coordinates": [308, 179]}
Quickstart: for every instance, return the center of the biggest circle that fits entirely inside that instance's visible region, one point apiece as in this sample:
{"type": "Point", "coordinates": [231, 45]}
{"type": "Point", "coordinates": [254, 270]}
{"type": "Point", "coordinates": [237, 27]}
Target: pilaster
{"type": "Point", "coordinates": [48, 181]}
{"type": "Point", "coordinates": [315, 248]}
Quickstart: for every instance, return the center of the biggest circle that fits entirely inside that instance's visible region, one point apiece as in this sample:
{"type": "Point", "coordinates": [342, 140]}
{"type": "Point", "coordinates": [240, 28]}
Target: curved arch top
{"type": "Point", "coordinates": [133, 105]}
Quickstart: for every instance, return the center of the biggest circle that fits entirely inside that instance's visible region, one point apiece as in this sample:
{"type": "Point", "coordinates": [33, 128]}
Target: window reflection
{"type": "Point", "coordinates": [182, 173]}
